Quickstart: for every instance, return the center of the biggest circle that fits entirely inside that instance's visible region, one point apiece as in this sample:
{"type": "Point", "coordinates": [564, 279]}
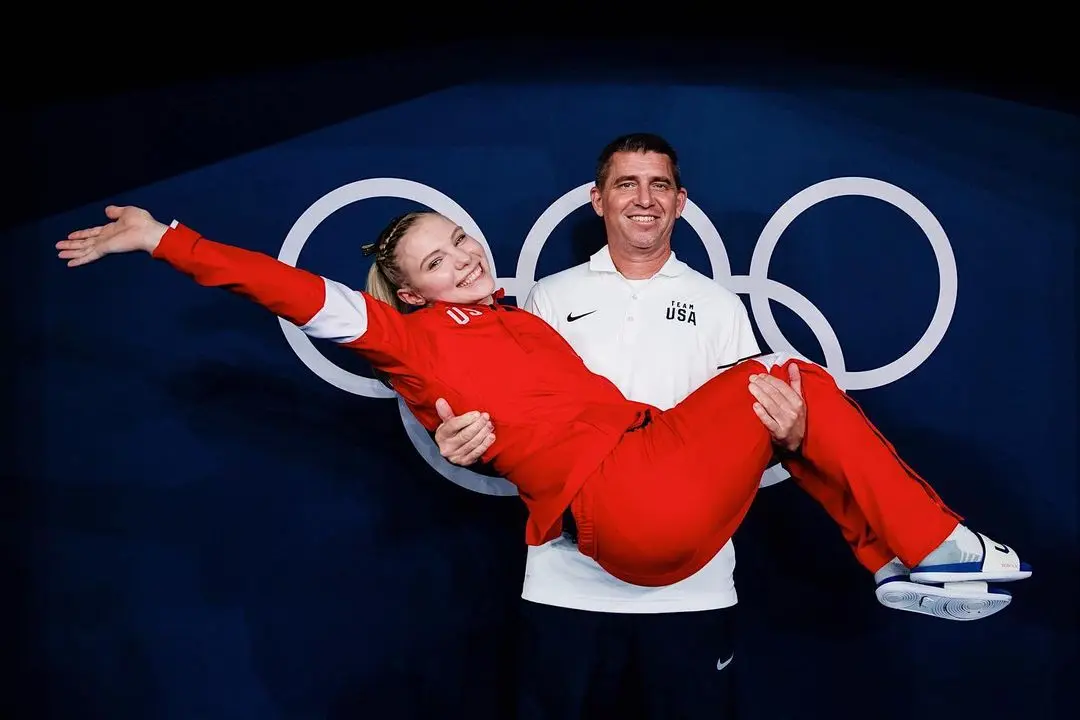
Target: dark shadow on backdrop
{"type": "Point", "coordinates": [207, 114]}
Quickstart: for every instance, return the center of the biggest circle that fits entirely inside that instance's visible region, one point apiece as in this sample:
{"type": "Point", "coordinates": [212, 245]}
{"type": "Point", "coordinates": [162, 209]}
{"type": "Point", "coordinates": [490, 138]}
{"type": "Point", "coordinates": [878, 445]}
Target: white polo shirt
{"type": "Point", "coordinates": [658, 340]}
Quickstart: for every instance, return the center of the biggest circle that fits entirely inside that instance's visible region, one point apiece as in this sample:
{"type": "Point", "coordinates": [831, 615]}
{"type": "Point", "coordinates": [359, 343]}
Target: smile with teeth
{"type": "Point", "coordinates": [643, 219]}
{"type": "Point", "coordinates": [472, 277]}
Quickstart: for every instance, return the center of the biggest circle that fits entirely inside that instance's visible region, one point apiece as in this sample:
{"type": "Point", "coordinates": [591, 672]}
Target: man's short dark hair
{"type": "Point", "coordinates": [636, 142]}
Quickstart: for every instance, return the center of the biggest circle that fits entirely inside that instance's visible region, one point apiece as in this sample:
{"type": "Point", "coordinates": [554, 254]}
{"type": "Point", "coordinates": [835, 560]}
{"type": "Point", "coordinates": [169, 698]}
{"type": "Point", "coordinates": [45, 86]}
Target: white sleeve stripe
{"type": "Point", "coordinates": [343, 317]}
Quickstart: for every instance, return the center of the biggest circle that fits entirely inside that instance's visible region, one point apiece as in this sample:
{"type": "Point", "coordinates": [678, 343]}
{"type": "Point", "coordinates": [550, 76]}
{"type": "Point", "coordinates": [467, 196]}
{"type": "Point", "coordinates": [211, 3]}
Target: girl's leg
{"type": "Point", "coordinates": [673, 492]}
{"type": "Point", "coordinates": [876, 498]}
{"type": "Point", "coordinates": [872, 552]}
{"type": "Point", "coordinates": [869, 492]}
{"type": "Point", "coordinates": [684, 484]}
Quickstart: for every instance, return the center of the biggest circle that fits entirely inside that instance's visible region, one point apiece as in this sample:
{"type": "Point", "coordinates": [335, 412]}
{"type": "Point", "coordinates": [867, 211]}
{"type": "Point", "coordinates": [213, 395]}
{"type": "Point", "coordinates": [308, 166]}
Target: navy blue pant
{"type": "Point", "coordinates": [578, 665]}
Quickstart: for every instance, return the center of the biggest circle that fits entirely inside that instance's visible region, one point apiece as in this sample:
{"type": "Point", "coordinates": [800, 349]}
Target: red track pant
{"type": "Point", "coordinates": [673, 493]}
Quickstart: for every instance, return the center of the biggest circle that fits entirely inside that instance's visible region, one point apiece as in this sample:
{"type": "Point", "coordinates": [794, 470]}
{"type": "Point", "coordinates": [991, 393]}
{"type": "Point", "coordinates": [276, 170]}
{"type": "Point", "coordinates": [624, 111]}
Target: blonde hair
{"type": "Point", "coordinates": [385, 277]}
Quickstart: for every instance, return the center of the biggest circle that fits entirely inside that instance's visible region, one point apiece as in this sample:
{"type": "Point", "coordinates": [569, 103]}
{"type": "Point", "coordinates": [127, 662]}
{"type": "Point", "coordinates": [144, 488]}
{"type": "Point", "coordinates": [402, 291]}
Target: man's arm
{"type": "Point", "coordinates": [779, 405]}
{"type": "Point", "coordinates": [463, 439]}
{"type": "Point", "coordinates": [539, 303]}
{"type": "Point", "coordinates": [735, 341]}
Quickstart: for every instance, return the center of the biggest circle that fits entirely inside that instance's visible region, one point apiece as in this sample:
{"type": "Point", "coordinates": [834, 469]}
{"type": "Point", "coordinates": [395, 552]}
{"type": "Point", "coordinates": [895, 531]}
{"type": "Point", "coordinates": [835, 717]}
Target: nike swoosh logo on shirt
{"type": "Point", "coordinates": [721, 664]}
{"type": "Point", "coordinates": [571, 317]}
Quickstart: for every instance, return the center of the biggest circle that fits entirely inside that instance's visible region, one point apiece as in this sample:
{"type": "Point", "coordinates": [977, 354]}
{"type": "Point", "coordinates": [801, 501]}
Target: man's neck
{"type": "Point", "coordinates": [640, 265]}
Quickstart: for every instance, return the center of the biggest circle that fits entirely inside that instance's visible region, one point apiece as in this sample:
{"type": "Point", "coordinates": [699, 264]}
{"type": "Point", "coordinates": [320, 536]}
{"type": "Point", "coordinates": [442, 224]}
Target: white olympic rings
{"type": "Point", "coordinates": [756, 284]}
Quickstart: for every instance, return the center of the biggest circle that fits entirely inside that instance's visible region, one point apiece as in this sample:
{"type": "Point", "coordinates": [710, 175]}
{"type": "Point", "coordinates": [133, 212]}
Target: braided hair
{"type": "Point", "coordinates": [385, 277]}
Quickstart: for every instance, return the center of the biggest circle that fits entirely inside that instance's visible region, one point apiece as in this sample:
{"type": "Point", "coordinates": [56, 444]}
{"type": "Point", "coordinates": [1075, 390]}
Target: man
{"type": "Point", "coordinates": [658, 330]}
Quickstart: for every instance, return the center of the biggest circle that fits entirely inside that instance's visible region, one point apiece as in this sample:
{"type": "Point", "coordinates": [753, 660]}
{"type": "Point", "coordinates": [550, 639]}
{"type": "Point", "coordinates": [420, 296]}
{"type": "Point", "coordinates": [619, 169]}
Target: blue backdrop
{"type": "Point", "coordinates": [206, 528]}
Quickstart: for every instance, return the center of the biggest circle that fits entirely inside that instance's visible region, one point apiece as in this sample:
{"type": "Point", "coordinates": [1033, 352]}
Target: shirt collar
{"type": "Point", "coordinates": [498, 299]}
{"type": "Point", "coordinates": [601, 262]}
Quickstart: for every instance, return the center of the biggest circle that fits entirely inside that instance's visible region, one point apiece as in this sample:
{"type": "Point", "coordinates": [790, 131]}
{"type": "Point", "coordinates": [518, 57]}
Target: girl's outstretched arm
{"type": "Point", "coordinates": [320, 307]}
